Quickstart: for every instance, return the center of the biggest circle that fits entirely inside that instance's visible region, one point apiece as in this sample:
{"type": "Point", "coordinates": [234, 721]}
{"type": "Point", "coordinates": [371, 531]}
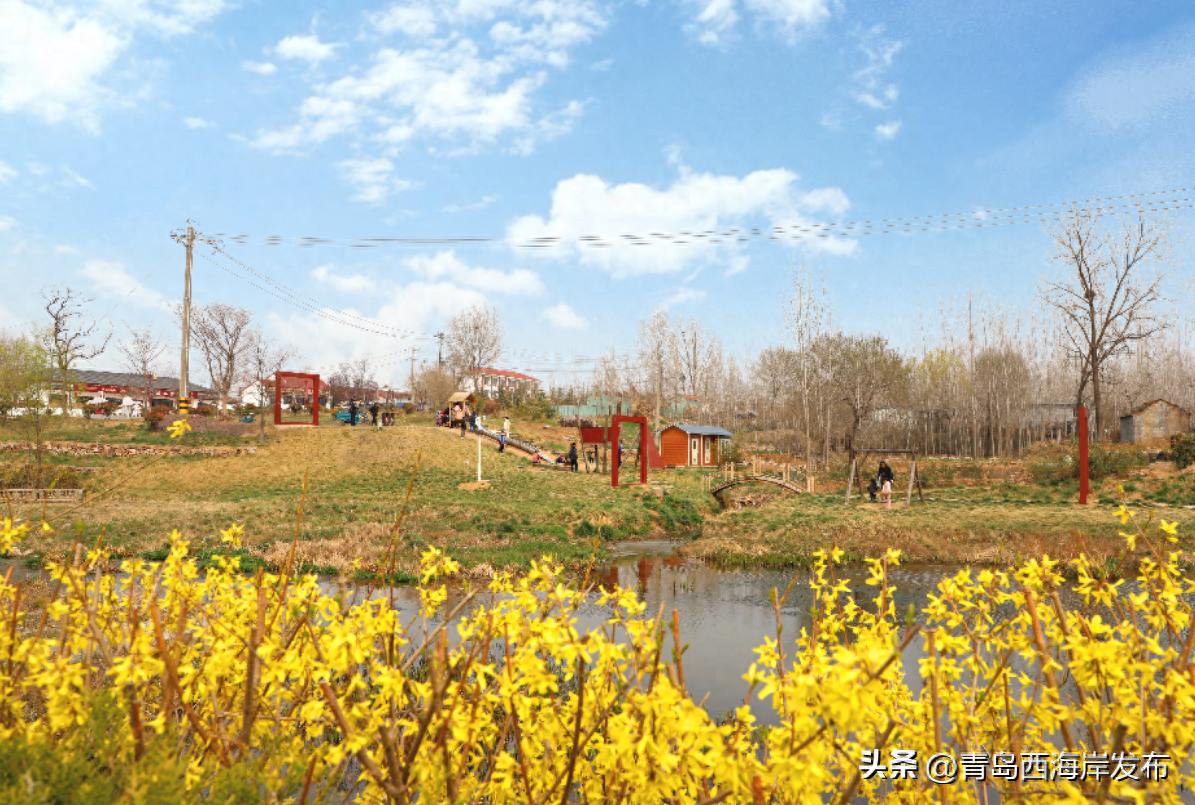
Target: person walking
{"type": "Point", "coordinates": [572, 455]}
{"type": "Point", "coordinates": [886, 478]}
{"type": "Point", "coordinates": [502, 442]}
{"type": "Point", "coordinates": [353, 413]}
{"type": "Point", "coordinates": [373, 413]}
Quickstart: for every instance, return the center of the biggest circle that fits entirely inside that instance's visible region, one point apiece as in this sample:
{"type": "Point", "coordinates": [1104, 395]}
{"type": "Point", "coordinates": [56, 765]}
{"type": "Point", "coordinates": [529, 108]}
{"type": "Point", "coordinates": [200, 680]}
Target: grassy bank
{"type": "Point", "coordinates": [357, 479]}
{"type": "Point", "coordinates": [978, 524]}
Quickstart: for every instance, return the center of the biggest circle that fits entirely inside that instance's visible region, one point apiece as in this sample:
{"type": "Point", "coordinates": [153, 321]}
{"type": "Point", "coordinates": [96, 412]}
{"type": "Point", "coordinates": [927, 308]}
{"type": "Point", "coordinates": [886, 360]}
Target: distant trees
{"type": "Point", "coordinates": [24, 371]}
{"type": "Point", "coordinates": [1107, 287]}
{"type": "Point", "coordinates": [140, 353]}
{"type": "Point", "coordinates": [475, 338]}
{"type": "Point", "coordinates": [433, 386]}
{"type": "Point", "coordinates": [865, 374]}
{"type": "Point", "coordinates": [353, 380]}
{"type": "Point", "coordinates": [69, 337]}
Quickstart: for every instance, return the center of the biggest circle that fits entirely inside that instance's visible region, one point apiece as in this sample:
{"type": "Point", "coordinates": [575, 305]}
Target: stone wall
{"type": "Point", "coordinates": [98, 449]}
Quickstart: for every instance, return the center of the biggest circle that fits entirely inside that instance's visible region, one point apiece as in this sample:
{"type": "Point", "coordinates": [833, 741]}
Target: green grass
{"type": "Point", "coordinates": [356, 481]}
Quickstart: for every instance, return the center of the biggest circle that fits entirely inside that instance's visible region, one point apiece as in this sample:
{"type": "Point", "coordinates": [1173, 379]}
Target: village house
{"type": "Point", "coordinates": [95, 387]}
{"type": "Point", "coordinates": [1158, 419]}
{"type": "Point", "coordinates": [497, 382]}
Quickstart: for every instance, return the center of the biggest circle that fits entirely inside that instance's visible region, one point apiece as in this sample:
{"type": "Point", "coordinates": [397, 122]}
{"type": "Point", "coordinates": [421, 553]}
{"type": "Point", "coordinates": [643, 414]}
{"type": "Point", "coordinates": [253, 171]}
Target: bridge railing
{"type": "Point", "coordinates": [761, 469]}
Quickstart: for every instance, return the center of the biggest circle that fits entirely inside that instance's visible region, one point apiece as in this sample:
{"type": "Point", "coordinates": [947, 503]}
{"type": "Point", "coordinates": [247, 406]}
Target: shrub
{"type": "Point", "coordinates": [178, 696]}
{"type": "Point", "coordinates": [1103, 461]}
{"type": "Point", "coordinates": [153, 419]}
{"type": "Point", "coordinates": [1182, 449]}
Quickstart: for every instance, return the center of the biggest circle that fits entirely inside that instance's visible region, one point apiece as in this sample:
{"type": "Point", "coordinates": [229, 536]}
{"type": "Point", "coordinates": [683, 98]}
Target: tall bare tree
{"type": "Point", "coordinates": [69, 337]}
{"type": "Point", "coordinates": [225, 336]}
{"type": "Point", "coordinates": [265, 357]}
{"type": "Point", "coordinates": [475, 339]}
{"type": "Point", "coordinates": [807, 315]}
{"type": "Point", "coordinates": [655, 345]}
{"type": "Point", "coordinates": [139, 355]}
{"type": "Point", "coordinates": [433, 386]}
{"type": "Point", "coordinates": [866, 374]}
{"type": "Point", "coordinates": [1107, 286]}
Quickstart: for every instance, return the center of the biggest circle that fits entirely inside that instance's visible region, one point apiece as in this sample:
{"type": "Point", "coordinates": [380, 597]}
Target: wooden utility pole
{"type": "Point", "coordinates": [441, 337]}
{"type": "Point", "coordinates": [183, 393]}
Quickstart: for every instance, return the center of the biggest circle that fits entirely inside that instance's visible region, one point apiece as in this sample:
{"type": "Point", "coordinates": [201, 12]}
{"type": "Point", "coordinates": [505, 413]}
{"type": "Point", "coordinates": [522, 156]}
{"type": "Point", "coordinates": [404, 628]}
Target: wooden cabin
{"type": "Point", "coordinates": [692, 445]}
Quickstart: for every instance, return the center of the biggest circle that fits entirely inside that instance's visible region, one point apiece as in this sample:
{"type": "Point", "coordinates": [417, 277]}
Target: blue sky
{"type": "Point", "coordinates": [121, 119]}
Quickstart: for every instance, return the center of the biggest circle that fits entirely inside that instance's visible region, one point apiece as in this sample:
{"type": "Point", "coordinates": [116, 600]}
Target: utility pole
{"type": "Point", "coordinates": [441, 337]}
{"type": "Point", "coordinates": [182, 375]}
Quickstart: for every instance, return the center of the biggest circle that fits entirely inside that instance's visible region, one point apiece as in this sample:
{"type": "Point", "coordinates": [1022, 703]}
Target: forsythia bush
{"type": "Point", "coordinates": [160, 684]}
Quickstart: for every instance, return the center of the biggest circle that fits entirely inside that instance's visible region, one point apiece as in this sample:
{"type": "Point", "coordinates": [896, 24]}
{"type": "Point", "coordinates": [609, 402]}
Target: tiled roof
{"type": "Point", "coordinates": [98, 378]}
{"type": "Point", "coordinates": [704, 430]}
{"type": "Point", "coordinates": [505, 373]}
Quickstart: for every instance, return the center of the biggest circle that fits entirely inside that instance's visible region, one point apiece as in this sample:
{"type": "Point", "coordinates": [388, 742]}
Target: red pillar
{"type": "Point", "coordinates": [1082, 455]}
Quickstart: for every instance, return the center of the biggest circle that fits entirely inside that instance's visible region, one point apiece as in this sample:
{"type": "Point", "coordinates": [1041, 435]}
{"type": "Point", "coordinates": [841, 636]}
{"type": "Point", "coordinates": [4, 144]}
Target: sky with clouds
{"type": "Point", "coordinates": [576, 163]}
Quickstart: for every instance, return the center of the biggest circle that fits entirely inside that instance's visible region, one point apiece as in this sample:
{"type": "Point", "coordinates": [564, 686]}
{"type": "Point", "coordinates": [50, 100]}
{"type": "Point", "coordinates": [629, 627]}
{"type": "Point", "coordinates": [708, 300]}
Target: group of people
{"type": "Point", "coordinates": [355, 412]}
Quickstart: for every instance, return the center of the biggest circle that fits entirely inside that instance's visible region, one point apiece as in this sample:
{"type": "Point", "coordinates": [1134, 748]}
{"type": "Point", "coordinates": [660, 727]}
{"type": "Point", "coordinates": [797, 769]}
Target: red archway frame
{"type": "Point", "coordinates": [315, 390]}
{"type": "Point", "coordinates": [617, 421]}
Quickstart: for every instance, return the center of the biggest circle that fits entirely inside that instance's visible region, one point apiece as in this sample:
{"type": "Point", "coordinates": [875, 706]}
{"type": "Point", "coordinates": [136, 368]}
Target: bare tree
{"type": "Point", "coordinates": [475, 340]}
{"type": "Point", "coordinates": [140, 354]}
{"type": "Point", "coordinates": [1108, 284]}
{"type": "Point", "coordinates": [433, 386]}
{"type": "Point", "coordinates": [264, 358]}
{"type": "Point", "coordinates": [656, 343]}
{"type": "Point", "coordinates": [866, 373]}
{"type": "Point", "coordinates": [68, 338]}
{"type": "Point", "coordinates": [807, 315]}
{"type": "Point", "coordinates": [225, 336]}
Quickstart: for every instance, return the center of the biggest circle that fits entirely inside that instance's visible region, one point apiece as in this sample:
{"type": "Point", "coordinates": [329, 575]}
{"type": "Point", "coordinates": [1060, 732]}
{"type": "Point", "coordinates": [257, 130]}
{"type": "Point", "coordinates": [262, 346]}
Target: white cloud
{"type": "Point", "coordinates": [681, 296]}
{"type": "Point", "coordinates": [260, 67]}
{"type": "Point", "coordinates": [355, 283]}
{"type": "Point", "coordinates": [67, 250]}
{"type": "Point", "coordinates": [74, 179]}
{"type": "Point", "coordinates": [197, 123]}
{"type": "Point", "coordinates": [419, 306]}
{"type": "Point", "coordinates": [7, 222]}
{"type": "Point", "coordinates": [373, 179]}
{"type": "Point", "coordinates": [55, 57]}
{"type": "Point", "coordinates": [417, 21]}
{"type": "Point", "coordinates": [481, 204]}
{"type": "Point", "coordinates": [889, 130]}
{"type": "Point", "coordinates": [563, 316]}
{"type": "Point", "coordinates": [716, 19]}
{"type": "Point", "coordinates": [110, 279]}
{"type": "Point", "coordinates": [634, 228]}
{"type": "Point", "coordinates": [447, 266]}
{"type": "Point", "coordinates": [7, 172]}
{"type": "Point", "coordinates": [306, 48]}
{"type": "Point", "coordinates": [1139, 88]}
{"type": "Point", "coordinates": [467, 72]}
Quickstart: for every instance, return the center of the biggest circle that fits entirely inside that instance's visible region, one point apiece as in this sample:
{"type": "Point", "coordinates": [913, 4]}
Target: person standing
{"type": "Point", "coordinates": [353, 413]}
{"type": "Point", "coordinates": [886, 478]}
{"type": "Point", "coordinates": [502, 442]}
{"type": "Point", "coordinates": [373, 413]}
{"type": "Point", "coordinates": [572, 455]}
{"type": "Point", "coordinates": [506, 426]}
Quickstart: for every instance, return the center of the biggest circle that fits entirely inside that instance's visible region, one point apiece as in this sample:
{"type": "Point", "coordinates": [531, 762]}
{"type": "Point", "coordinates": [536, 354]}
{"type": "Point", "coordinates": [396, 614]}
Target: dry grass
{"type": "Point", "coordinates": [357, 479]}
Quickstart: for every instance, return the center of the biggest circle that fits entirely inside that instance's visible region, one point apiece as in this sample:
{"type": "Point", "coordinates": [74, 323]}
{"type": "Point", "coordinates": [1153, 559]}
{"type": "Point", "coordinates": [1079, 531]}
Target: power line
{"type": "Point", "coordinates": [956, 220]}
